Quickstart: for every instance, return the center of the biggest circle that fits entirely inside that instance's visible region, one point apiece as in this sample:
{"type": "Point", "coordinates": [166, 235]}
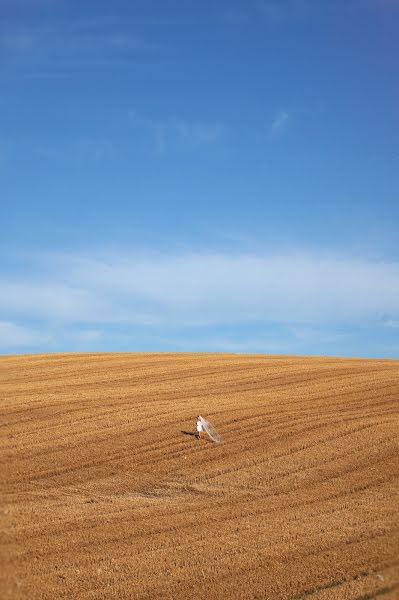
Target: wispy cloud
{"type": "Point", "coordinates": [394, 324]}
{"type": "Point", "coordinates": [261, 345]}
{"type": "Point", "coordinates": [46, 49]}
{"type": "Point", "coordinates": [13, 335]}
{"type": "Point", "coordinates": [44, 300]}
{"type": "Point", "coordinates": [311, 335]}
{"type": "Point", "coordinates": [176, 131]}
{"type": "Point", "coordinates": [83, 151]}
{"type": "Point", "coordinates": [204, 288]}
{"type": "Point", "coordinates": [280, 120]}
{"type": "Point", "coordinates": [195, 133]}
{"type": "Point", "coordinates": [389, 321]}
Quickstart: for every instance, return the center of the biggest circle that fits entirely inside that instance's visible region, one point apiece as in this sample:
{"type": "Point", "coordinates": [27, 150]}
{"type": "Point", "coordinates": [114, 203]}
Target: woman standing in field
{"type": "Point", "coordinates": [200, 428]}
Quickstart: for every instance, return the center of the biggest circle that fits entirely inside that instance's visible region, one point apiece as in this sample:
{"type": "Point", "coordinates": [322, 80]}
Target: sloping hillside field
{"type": "Point", "coordinates": [106, 493]}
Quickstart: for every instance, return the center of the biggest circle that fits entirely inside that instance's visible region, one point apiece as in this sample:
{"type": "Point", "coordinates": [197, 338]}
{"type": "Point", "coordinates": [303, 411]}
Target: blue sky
{"type": "Point", "coordinates": [199, 176]}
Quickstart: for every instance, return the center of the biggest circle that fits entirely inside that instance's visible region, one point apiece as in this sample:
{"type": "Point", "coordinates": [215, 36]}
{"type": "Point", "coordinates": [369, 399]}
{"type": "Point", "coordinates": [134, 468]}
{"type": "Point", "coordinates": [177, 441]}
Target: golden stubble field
{"type": "Point", "coordinates": [106, 494]}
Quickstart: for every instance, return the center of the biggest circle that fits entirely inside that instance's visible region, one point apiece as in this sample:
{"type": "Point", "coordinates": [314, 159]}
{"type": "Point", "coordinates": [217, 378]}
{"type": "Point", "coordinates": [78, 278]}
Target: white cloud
{"type": "Point", "coordinates": [280, 120]}
{"type": "Point", "coordinates": [45, 300]}
{"type": "Point", "coordinates": [387, 322]}
{"type": "Point", "coordinates": [53, 48]}
{"type": "Point", "coordinates": [12, 335]}
{"type": "Point", "coordinates": [314, 335]}
{"type": "Point", "coordinates": [222, 344]}
{"type": "Point", "coordinates": [195, 134]}
{"type": "Point", "coordinates": [176, 131]}
{"type": "Point", "coordinates": [205, 288]}
{"type": "Point", "coordinates": [89, 335]}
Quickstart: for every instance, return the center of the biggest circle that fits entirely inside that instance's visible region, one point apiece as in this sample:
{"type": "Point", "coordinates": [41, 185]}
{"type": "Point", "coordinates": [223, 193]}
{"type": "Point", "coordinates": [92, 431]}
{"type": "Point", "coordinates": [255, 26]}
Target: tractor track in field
{"type": "Point", "coordinates": [106, 494]}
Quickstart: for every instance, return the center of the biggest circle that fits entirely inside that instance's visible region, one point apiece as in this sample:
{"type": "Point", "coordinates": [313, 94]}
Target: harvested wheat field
{"type": "Point", "coordinates": [106, 493]}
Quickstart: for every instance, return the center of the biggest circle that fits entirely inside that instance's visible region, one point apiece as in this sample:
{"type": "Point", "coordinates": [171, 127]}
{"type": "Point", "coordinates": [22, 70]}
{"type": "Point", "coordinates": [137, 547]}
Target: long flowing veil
{"type": "Point", "coordinates": [211, 431]}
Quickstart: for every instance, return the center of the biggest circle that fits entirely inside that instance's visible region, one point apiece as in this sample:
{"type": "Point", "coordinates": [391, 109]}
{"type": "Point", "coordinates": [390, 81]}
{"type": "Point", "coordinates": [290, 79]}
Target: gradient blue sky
{"type": "Point", "coordinates": [207, 176]}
